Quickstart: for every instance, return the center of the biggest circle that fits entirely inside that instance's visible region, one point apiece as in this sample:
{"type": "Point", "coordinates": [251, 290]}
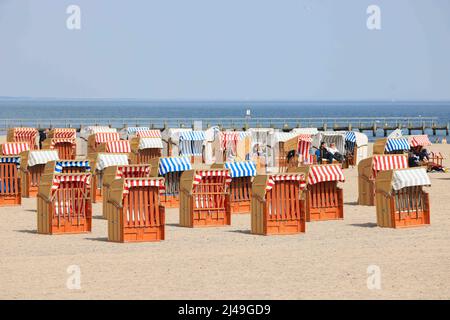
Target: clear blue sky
{"type": "Point", "coordinates": [226, 49]}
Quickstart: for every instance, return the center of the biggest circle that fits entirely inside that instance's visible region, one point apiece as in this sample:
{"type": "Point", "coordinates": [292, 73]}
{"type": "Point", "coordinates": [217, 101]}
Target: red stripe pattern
{"type": "Point", "coordinates": [419, 140]}
{"type": "Point", "coordinates": [389, 162]}
{"type": "Point", "coordinates": [304, 145]}
{"type": "Point", "coordinates": [102, 137]}
{"type": "Point", "coordinates": [143, 182]}
{"type": "Point", "coordinates": [121, 146]}
{"type": "Point", "coordinates": [55, 141]}
{"type": "Point", "coordinates": [14, 148]}
{"type": "Point", "coordinates": [211, 173]}
{"type": "Point", "coordinates": [324, 173]}
{"type": "Point", "coordinates": [148, 134]}
{"type": "Point", "coordinates": [300, 177]}
{"type": "Point", "coordinates": [132, 171]}
{"type": "Point", "coordinates": [59, 179]}
{"type": "Point", "coordinates": [229, 140]}
{"type": "Point", "coordinates": [64, 133]}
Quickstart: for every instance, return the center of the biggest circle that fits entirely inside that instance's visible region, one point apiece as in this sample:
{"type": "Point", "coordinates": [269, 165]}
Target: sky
{"type": "Point", "coordinates": [226, 50]}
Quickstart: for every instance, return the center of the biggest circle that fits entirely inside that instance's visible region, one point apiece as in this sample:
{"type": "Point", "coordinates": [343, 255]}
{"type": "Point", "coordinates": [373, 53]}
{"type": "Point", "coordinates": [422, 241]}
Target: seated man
{"type": "Point", "coordinates": [335, 152]}
{"type": "Point", "coordinates": [413, 160]}
{"type": "Point", "coordinates": [322, 153]}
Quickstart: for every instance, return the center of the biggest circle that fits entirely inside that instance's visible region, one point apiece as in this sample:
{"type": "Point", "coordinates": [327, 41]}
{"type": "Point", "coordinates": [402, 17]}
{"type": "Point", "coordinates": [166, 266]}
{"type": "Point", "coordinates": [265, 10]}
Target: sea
{"type": "Point", "coordinates": [233, 114]}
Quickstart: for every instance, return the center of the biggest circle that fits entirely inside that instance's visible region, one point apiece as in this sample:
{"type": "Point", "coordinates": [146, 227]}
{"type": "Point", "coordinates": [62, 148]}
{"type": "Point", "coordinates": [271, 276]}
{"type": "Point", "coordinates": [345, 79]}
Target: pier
{"type": "Point", "coordinates": [375, 126]}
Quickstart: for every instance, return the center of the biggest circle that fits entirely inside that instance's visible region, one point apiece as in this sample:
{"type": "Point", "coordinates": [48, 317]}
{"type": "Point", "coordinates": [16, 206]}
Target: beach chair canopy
{"type": "Point", "coordinates": [150, 143]}
{"type": "Point", "coordinates": [264, 183]}
{"type": "Point", "coordinates": [191, 143]}
{"type": "Point", "coordinates": [410, 178]}
{"type": "Point", "coordinates": [173, 134]}
{"type": "Point", "coordinates": [55, 141]}
{"type": "Point", "coordinates": [174, 164]}
{"type": "Point", "coordinates": [14, 148]}
{"type": "Point", "coordinates": [358, 138]}
{"type": "Point", "coordinates": [307, 131]}
{"type": "Point", "coordinates": [102, 137]}
{"type": "Point", "coordinates": [120, 146]}
{"type": "Point", "coordinates": [419, 140]}
{"type": "Point", "coordinates": [85, 132]}
{"type": "Point", "coordinates": [36, 157]}
{"type": "Point", "coordinates": [397, 144]}
{"type": "Point", "coordinates": [149, 134]}
{"type": "Point", "coordinates": [397, 133]}
{"type": "Point", "coordinates": [22, 134]}
{"type": "Point", "coordinates": [389, 162]}
{"type": "Point", "coordinates": [9, 159]}
{"type": "Point", "coordinates": [63, 133]}
{"type": "Point", "coordinates": [105, 160]}
{"type": "Point", "coordinates": [282, 137]}
{"type": "Point", "coordinates": [241, 169]}
{"type": "Point", "coordinates": [321, 173]}
{"type": "Point", "coordinates": [60, 165]}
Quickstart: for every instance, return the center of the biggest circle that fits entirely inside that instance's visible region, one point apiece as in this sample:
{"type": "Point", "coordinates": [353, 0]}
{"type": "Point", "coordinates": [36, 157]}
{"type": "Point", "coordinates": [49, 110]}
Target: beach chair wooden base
{"type": "Point", "coordinates": [324, 201]}
{"type": "Point", "coordinates": [404, 209]}
{"type": "Point", "coordinates": [118, 233]}
{"type": "Point", "coordinates": [69, 221]}
{"type": "Point", "coordinates": [366, 191]}
{"type": "Point", "coordinates": [170, 201]}
{"type": "Point", "coordinates": [138, 218]}
{"type": "Point", "coordinates": [240, 207]}
{"type": "Point", "coordinates": [211, 219]}
{"type": "Point", "coordinates": [10, 200]}
{"type": "Point", "coordinates": [10, 187]}
{"type": "Point", "coordinates": [284, 227]}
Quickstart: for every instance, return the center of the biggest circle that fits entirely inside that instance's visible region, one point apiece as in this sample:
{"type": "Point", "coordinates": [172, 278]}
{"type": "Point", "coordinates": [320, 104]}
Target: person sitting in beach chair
{"type": "Point", "coordinates": [413, 160]}
{"type": "Point", "coordinates": [335, 152]}
{"type": "Point", "coordinates": [323, 154]}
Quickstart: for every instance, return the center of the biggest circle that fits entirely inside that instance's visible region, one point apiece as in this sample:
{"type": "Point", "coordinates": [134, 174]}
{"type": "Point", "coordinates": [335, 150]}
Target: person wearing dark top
{"type": "Point", "coordinates": [42, 136]}
{"type": "Point", "coordinates": [322, 153]}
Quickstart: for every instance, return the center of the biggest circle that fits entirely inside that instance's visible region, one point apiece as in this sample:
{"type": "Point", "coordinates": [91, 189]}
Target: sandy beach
{"type": "Point", "coordinates": [329, 261]}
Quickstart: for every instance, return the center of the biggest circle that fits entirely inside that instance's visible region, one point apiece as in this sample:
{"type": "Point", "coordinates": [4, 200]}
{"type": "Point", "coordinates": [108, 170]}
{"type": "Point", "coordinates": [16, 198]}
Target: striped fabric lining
{"type": "Point", "coordinates": [14, 148]}
{"type": "Point", "coordinates": [121, 146]}
{"type": "Point", "coordinates": [389, 162]}
{"type": "Point", "coordinates": [108, 160]}
{"type": "Point", "coordinates": [397, 144]}
{"type": "Point", "coordinates": [350, 136]}
{"type": "Point", "coordinates": [191, 143]}
{"type": "Point", "coordinates": [132, 171]}
{"type": "Point", "coordinates": [64, 133]}
{"type": "Point", "coordinates": [55, 141]}
{"type": "Point", "coordinates": [241, 169]}
{"type": "Point", "coordinates": [200, 174]}
{"type": "Point", "coordinates": [143, 182]}
{"type": "Point", "coordinates": [174, 164]}
{"type": "Point", "coordinates": [148, 133]}
{"type": "Point", "coordinates": [7, 159]}
{"type": "Point", "coordinates": [419, 140]}
{"type": "Point", "coordinates": [134, 130]}
{"type": "Point", "coordinates": [42, 157]}
{"type": "Point", "coordinates": [81, 177]}
{"type": "Point", "coordinates": [410, 178]}
{"type": "Point", "coordinates": [150, 143]}
{"type": "Point", "coordinates": [286, 177]}
{"type": "Point", "coordinates": [324, 173]}
{"type": "Point", "coordinates": [60, 165]}
{"type": "Point", "coordinates": [102, 137]}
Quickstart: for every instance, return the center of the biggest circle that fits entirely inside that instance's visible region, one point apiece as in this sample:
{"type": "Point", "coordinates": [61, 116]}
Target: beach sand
{"type": "Point", "coordinates": [329, 261]}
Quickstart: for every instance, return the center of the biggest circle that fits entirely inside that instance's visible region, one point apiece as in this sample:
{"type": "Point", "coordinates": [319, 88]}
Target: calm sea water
{"type": "Point", "coordinates": [117, 110]}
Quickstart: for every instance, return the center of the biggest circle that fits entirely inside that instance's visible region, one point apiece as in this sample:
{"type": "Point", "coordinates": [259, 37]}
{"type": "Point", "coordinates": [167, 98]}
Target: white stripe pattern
{"type": "Point", "coordinates": [150, 143]}
{"type": "Point", "coordinates": [200, 174]}
{"type": "Point", "coordinates": [108, 160]}
{"type": "Point", "coordinates": [42, 157]}
{"type": "Point", "coordinates": [174, 164]}
{"type": "Point", "coordinates": [121, 146]}
{"type": "Point", "coordinates": [241, 169]}
{"type": "Point", "coordinates": [397, 144]}
{"type": "Point", "coordinates": [102, 137]}
{"type": "Point", "coordinates": [60, 165]}
{"type": "Point", "coordinates": [14, 148]}
{"type": "Point", "coordinates": [324, 173]}
{"type": "Point", "coordinates": [410, 178]}
{"type": "Point", "coordinates": [286, 177]}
